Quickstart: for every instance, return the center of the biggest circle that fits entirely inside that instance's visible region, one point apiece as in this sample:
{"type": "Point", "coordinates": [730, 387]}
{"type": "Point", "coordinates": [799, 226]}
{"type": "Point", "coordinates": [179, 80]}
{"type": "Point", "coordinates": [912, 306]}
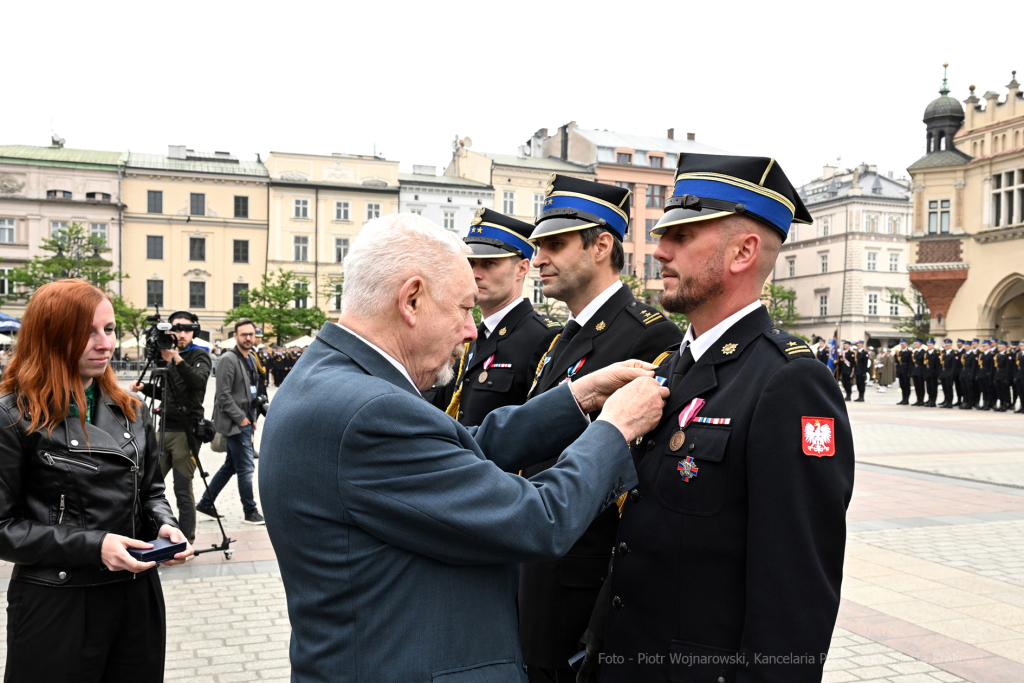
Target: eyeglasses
{"type": "Point", "coordinates": [245, 334]}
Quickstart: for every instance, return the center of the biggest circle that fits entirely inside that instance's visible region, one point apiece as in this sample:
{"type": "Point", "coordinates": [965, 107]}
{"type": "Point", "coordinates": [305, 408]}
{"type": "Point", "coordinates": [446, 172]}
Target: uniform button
{"type": "Point", "coordinates": [691, 447]}
{"type": "Point", "coordinates": [127, 435]}
{"type": "Point", "coordinates": [617, 602]}
{"type": "Point", "coordinates": [721, 679]}
{"type": "Point", "coordinates": [623, 548]}
{"type": "Point", "coordinates": [74, 442]}
{"type": "Point", "coordinates": [62, 575]}
{"type": "Point", "coordinates": [490, 384]}
{"type": "Point", "coordinates": [634, 495]}
{"type": "Point", "coordinates": [651, 444]}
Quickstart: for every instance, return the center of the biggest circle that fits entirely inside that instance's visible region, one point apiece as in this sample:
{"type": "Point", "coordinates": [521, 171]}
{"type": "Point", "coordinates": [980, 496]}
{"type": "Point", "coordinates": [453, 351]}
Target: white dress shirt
{"type": "Point", "coordinates": [492, 321]}
{"type": "Point", "coordinates": [388, 357]}
{"type": "Point", "coordinates": [702, 343]}
{"type": "Point", "coordinates": [600, 300]}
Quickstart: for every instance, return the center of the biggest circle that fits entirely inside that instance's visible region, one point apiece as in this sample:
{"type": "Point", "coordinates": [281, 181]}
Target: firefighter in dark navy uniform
{"type": "Point", "coordinates": [917, 371]}
{"type": "Point", "coordinates": [904, 357]}
{"type": "Point", "coordinates": [1019, 377]}
{"type": "Point", "coordinates": [931, 373]}
{"type": "Point", "coordinates": [499, 366]}
{"type": "Point", "coordinates": [984, 374]}
{"type": "Point", "coordinates": [860, 371]}
{"type": "Point", "coordinates": [580, 256]}
{"type": "Point", "coordinates": [729, 554]}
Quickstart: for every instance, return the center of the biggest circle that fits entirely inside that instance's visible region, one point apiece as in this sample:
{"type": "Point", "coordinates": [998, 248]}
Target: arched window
{"type": "Point", "coordinates": [974, 148]}
{"type": "Point", "coordinates": [982, 148]}
{"type": "Point", "coordinates": [942, 140]}
{"type": "Point", "coordinates": [931, 144]}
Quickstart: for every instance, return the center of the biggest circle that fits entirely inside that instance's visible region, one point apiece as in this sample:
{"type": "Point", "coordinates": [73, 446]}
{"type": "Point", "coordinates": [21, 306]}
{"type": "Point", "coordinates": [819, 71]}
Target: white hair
{"type": "Point", "coordinates": [390, 250]}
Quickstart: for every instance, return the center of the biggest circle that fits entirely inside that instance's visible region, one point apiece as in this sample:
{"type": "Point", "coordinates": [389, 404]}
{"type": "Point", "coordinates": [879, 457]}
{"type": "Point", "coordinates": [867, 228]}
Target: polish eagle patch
{"type": "Point", "coordinates": [818, 436]}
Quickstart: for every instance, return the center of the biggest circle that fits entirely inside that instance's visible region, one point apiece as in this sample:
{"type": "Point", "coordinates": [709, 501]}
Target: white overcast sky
{"type": "Point", "coordinates": [804, 82]}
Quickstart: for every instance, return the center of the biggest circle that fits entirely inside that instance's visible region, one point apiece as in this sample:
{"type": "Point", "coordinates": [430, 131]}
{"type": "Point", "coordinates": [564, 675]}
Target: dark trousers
{"type": "Point", "coordinates": [904, 381]}
{"type": "Point", "coordinates": [932, 383]}
{"type": "Point", "coordinates": [100, 634]}
{"type": "Point", "coordinates": [976, 393]}
{"type": "Point", "coordinates": [958, 386]}
{"type": "Point", "coordinates": [847, 384]}
{"type": "Point", "coordinates": [537, 674]}
{"type": "Point", "coordinates": [967, 391]}
{"type": "Point", "coordinates": [919, 388]}
{"type": "Point", "coordinates": [178, 457]}
{"type": "Point", "coordinates": [947, 390]}
{"type": "Point", "coordinates": [1003, 393]}
{"type": "Point", "coordinates": [861, 381]}
{"type": "Point", "coordinates": [239, 461]}
{"type": "Point", "coordinates": [985, 392]}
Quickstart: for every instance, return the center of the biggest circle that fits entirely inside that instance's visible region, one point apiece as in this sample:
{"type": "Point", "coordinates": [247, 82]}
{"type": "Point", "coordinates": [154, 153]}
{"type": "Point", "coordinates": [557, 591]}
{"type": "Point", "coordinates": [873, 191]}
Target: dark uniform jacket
{"type": "Point", "coordinates": [904, 359]}
{"type": "Point", "coordinates": [946, 361]}
{"type": "Point", "coordinates": [747, 556]}
{"type": "Point", "coordinates": [556, 599]}
{"type": "Point", "coordinates": [985, 365]}
{"type": "Point", "coordinates": [849, 364]}
{"type": "Point", "coordinates": [917, 369]}
{"type": "Point", "coordinates": [823, 354]}
{"type": "Point", "coordinates": [932, 363]}
{"type": "Point", "coordinates": [521, 340]}
{"type": "Point", "coordinates": [957, 362]}
{"type": "Point", "coordinates": [862, 362]}
{"type": "Point", "coordinates": [970, 363]}
{"type": "Point", "coordinates": [1001, 366]}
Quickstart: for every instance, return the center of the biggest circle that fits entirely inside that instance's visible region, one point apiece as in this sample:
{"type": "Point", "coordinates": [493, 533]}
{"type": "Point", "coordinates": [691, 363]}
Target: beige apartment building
{"type": "Point", "coordinates": [45, 189]}
{"type": "Point", "coordinates": [968, 240]}
{"type": "Point", "coordinates": [518, 181]}
{"type": "Point", "coordinates": [195, 234]}
{"type": "Point", "coordinates": [645, 165]}
{"type": "Point", "coordinates": [318, 204]}
{"type": "Point", "coordinates": [845, 267]}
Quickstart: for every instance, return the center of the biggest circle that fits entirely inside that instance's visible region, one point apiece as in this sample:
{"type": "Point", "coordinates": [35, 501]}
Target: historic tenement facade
{"type": "Point", "coordinates": [968, 195]}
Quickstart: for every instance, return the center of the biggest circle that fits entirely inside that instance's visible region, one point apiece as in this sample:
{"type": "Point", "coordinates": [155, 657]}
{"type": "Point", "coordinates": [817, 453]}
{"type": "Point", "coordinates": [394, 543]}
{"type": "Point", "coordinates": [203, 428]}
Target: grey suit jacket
{"type": "Point", "coordinates": [233, 395]}
{"type": "Point", "coordinates": [398, 530]}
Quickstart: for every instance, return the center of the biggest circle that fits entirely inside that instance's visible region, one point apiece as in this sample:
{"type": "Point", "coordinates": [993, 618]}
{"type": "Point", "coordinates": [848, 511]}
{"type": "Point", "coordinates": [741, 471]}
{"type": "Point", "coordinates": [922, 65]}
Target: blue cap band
{"type": "Point", "coordinates": [612, 217]}
{"type": "Point", "coordinates": [774, 212]}
{"type": "Point", "coordinates": [502, 235]}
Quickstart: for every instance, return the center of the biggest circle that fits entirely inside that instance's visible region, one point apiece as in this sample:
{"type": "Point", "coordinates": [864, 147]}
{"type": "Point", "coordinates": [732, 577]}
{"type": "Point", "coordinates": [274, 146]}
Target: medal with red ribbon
{"type": "Point", "coordinates": [685, 417]}
{"type": "Point", "coordinates": [571, 372]}
{"type": "Point", "coordinates": [487, 364]}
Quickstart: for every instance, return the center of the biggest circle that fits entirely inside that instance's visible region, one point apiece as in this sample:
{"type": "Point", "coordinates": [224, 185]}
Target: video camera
{"type": "Point", "coordinates": [159, 337]}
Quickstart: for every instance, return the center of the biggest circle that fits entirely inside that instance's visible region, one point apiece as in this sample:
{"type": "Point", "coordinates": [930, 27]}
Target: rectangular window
{"type": "Point", "coordinates": [240, 251]}
{"type": "Point", "coordinates": [508, 202]}
{"type": "Point", "coordinates": [656, 162]}
{"type": "Point", "coordinates": [791, 267]}
{"type": "Point", "coordinates": [823, 304]}
{"type": "Point", "coordinates": [623, 158]}
{"type": "Point", "coordinates": [823, 260]}
{"type": "Point", "coordinates": [197, 295]}
{"type": "Point", "coordinates": [652, 271]}
{"type": "Point", "coordinates": [197, 204]}
{"type": "Point", "coordinates": [58, 194]}
{"type": "Point", "coordinates": [301, 208]}
{"type": "Point", "coordinates": [154, 247]}
{"type": "Point", "coordinates": [372, 211]}
{"type": "Point", "coordinates": [5, 284]}
{"type": "Point", "coordinates": [340, 249]}
{"type": "Point", "coordinates": [944, 216]}
{"type": "Point", "coordinates": [627, 265]}
{"type": "Point", "coordinates": [1009, 206]}
{"type": "Point", "coordinates": [341, 211]}
{"type": "Point", "coordinates": [873, 303]}
{"type": "Point", "coordinates": [538, 292]}
{"type": "Point", "coordinates": [241, 207]}
{"type": "Point", "coordinates": [649, 224]}
{"type": "Point", "coordinates": [336, 299]}
{"type": "Point", "coordinates": [933, 218]}
{"type": "Point", "coordinates": [656, 196]}
{"type": "Point", "coordinates": [825, 227]}
{"type": "Point", "coordinates": [872, 260]}
{"type": "Point", "coordinates": [894, 263]}
{"type": "Point", "coordinates": [629, 186]}
{"type": "Point", "coordinates": [417, 212]}
{"type": "Point", "coordinates": [57, 226]}
{"type": "Point", "coordinates": [196, 248]}
{"type": "Point", "coordinates": [154, 201]}
{"type": "Point", "coordinates": [154, 293]}
{"type": "Point", "coordinates": [238, 293]}
{"type": "Point", "coordinates": [98, 196]}
{"type": "Point", "coordinates": [538, 204]}
{"type": "Point", "coordinates": [449, 220]}
{"type": "Point", "coordinates": [98, 230]}
{"type": "Point", "coordinates": [7, 230]}
{"type": "Point", "coordinates": [302, 295]}
{"type": "Point", "coordinates": [301, 248]}
{"type": "Point", "coordinates": [894, 305]}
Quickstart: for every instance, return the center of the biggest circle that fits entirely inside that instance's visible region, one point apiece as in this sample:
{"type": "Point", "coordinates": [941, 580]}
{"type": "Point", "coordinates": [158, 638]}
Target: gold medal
{"type": "Point", "coordinates": [483, 377]}
{"type": "Point", "coordinates": [677, 441]}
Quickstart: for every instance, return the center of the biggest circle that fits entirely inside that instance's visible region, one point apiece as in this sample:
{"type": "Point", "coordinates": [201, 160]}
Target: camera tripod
{"type": "Point", "coordinates": [162, 386]}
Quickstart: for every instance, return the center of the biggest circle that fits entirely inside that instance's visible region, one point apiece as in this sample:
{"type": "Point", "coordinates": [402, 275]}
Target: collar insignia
{"type": "Point", "coordinates": [502, 331]}
{"type": "Point", "coordinates": [600, 326]}
{"type": "Point", "coordinates": [729, 349]}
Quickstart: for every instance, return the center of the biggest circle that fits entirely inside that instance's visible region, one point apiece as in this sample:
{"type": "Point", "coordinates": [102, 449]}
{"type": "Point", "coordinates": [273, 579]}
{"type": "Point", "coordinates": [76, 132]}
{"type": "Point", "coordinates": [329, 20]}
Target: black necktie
{"type": "Point", "coordinates": [572, 328]}
{"type": "Point", "coordinates": [683, 366]}
{"type": "Point", "coordinates": [481, 332]}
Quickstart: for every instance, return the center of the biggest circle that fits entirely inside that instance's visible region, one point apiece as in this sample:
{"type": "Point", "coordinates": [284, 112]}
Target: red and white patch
{"type": "Point", "coordinates": [818, 436]}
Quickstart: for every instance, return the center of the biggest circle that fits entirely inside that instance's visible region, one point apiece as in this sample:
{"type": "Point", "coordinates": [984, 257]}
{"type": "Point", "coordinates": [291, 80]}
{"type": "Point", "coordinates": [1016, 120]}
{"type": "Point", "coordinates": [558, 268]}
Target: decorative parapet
{"type": "Point", "coordinates": [959, 265]}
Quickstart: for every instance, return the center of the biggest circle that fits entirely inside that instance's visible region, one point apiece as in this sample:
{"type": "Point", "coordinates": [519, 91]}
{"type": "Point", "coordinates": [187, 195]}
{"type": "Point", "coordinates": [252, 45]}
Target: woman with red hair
{"type": "Point", "coordinates": [79, 484]}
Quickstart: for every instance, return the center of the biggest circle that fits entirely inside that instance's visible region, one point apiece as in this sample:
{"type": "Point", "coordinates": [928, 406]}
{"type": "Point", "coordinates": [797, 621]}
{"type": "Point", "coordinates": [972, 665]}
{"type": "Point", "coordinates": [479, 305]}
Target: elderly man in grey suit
{"type": "Point", "coordinates": [396, 528]}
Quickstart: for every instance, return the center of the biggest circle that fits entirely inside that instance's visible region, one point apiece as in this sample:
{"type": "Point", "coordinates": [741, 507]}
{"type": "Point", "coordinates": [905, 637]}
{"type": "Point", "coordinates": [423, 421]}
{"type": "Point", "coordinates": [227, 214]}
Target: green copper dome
{"type": "Point", "coordinates": [944, 105]}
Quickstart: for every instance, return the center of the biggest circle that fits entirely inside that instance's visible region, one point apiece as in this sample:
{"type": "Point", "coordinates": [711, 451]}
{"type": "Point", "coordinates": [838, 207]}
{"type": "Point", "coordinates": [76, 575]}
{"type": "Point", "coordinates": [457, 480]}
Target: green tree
{"type": "Point", "coordinates": [274, 304]}
{"type": "Point", "coordinates": [129, 319]}
{"type": "Point", "coordinates": [74, 253]}
{"type": "Point", "coordinates": [917, 325]}
{"type": "Point", "coordinates": [781, 304]}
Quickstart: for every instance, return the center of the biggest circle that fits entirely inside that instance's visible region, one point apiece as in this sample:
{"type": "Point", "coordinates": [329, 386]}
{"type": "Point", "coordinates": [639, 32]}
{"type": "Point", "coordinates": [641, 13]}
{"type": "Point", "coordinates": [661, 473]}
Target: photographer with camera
{"type": "Point", "coordinates": [237, 407]}
{"type": "Point", "coordinates": [188, 369]}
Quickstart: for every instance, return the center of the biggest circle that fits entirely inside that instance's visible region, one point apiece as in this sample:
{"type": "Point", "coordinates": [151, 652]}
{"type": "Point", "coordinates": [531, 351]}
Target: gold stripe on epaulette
{"type": "Point", "coordinates": [650, 320]}
{"type": "Point", "coordinates": [661, 359]}
{"type": "Point", "coordinates": [802, 349]}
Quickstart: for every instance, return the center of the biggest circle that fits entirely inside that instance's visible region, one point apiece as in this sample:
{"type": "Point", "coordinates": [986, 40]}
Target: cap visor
{"type": "Point", "coordinates": [481, 250]}
{"type": "Point", "coordinates": [554, 226]}
{"type": "Point", "coordinates": [680, 215]}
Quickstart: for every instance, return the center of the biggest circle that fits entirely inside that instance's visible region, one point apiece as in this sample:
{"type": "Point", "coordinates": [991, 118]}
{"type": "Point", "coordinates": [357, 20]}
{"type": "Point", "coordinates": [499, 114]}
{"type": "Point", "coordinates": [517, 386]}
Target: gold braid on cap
{"type": "Point", "coordinates": [621, 500]}
{"type": "Point", "coordinates": [453, 407]}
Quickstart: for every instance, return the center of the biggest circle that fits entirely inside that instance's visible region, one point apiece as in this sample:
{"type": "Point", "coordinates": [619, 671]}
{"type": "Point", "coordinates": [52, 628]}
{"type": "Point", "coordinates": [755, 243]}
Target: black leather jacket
{"type": "Point", "coordinates": [59, 497]}
{"type": "Point", "coordinates": [189, 378]}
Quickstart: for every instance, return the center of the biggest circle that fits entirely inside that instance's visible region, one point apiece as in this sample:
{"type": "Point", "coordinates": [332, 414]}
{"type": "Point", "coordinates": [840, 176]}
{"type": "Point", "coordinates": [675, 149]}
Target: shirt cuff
{"type": "Point", "coordinates": [585, 415]}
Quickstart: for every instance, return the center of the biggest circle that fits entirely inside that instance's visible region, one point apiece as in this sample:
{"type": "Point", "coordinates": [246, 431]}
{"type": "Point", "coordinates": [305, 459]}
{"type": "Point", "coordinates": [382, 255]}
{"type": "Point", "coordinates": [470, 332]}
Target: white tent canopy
{"type": "Point", "coordinates": [227, 343]}
{"type": "Point", "coordinates": [130, 344]}
{"type": "Point", "coordinates": [302, 342]}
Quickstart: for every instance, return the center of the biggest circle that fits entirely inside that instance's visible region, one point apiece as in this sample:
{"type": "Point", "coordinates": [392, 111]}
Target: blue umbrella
{"type": "Point", "coordinates": [9, 323]}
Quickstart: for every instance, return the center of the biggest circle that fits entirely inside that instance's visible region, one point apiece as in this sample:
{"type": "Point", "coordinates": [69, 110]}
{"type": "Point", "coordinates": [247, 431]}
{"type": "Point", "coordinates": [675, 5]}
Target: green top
{"type": "Point", "coordinates": [92, 397]}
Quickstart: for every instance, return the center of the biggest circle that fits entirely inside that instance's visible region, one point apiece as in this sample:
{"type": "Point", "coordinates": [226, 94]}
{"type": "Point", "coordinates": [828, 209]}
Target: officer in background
{"type": "Point", "coordinates": [968, 364]}
{"type": "Point", "coordinates": [947, 358]}
{"type": "Point", "coordinates": [580, 256]}
{"type": "Point", "coordinates": [823, 352]}
{"type": "Point", "coordinates": [847, 367]}
{"type": "Point", "coordinates": [1001, 378]}
{"type": "Point", "coordinates": [903, 360]}
{"type": "Point", "coordinates": [861, 370]}
{"type": "Point", "coordinates": [733, 539]}
{"type": "Point", "coordinates": [917, 371]}
{"type": "Point", "coordinates": [986, 365]}
{"type": "Point", "coordinates": [499, 366]}
{"type": "Point", "coordinates": [1019, 381]}
{"type": "Point", "coordinates": [958, 368]}
{"type": "Point", "coordinates": [931, 373]}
